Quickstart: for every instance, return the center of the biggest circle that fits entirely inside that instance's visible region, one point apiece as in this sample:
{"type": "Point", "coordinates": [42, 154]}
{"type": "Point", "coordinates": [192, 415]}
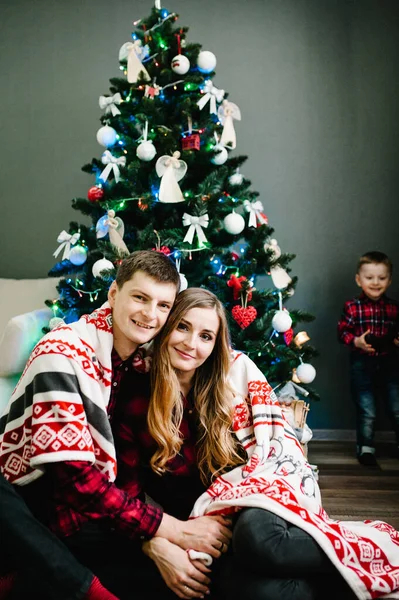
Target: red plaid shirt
{"type": "Point", "coordinates": [381, 317]}
{"type": "Point", "coordinates": [83, 493]}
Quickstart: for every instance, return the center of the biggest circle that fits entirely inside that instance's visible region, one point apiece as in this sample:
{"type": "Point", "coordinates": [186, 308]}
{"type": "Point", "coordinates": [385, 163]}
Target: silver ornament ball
{"type": "Point", "coordinates": [281, 321]}
{"type": "Point", "coordinates": [146, 151]}
{"type": "Point", "coordinates": [234, 223]}
{"type": "Point", "coordinates": [78, 255]}
{"type": "Point", "coordinates": [101, 265]}
{"type": "Point", "coordinates": [206, 61]}
{"type": "Point", "coordinates": [306, 373]}
{"type": "Point", "coordinates": [106, 136]}
{"type": "Point", "coordinates": [180, 64]}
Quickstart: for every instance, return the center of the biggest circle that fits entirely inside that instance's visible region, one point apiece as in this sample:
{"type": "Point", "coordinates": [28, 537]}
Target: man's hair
{"type": "Point", "coordinates": [154, 264]}
{"type": "Point", "coordinates": [375, 257]}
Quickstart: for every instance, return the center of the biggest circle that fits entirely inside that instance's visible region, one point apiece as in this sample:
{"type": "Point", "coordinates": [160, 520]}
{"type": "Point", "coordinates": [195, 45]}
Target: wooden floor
{"type": "Point", "coordinates": [351, 491]}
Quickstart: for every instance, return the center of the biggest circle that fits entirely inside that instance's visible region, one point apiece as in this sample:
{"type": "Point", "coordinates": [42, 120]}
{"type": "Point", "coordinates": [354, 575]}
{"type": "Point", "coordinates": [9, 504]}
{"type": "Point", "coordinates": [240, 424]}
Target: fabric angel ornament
{"type": "Point", "coordinates": [171, 170]}
{"type": "Point", "coordinates": [279, 276]}
{"type": "Point", "coordinates": [134, 53]}
{"type": "Point", "coordinates": [115, 228]}
{"type": "Point", "coordinates": [228, 111]}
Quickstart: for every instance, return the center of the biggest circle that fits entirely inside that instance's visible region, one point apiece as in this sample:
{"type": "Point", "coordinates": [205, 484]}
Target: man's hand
{"type": "Point", "coordinates": [204, 534]}
{"type": "Point", "coordinates": [360, 342]}
{"type": "Point", "coordinates": [186, 578]}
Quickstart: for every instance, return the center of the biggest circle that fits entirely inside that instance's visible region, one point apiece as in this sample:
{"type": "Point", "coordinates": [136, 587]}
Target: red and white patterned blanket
{"type": "Point", "coordinates": [278, 478]}
{"type": "Point", "coordinates": [58, 410]}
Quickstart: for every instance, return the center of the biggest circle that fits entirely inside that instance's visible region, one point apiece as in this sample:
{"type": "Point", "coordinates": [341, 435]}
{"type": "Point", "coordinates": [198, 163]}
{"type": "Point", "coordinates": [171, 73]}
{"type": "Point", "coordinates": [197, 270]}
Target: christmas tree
{"type": "Point", "coordinates": [169, 179]}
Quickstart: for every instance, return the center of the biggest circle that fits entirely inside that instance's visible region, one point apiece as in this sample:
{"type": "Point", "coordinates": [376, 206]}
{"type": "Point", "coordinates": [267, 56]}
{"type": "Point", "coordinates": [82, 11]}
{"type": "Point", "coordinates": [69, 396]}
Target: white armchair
{"type": "Point", "coordinates": [23, 315]}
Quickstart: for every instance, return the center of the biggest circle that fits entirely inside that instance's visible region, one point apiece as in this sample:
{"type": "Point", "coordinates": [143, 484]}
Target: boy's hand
{"type": "Point", "coordinates": [360, 342]}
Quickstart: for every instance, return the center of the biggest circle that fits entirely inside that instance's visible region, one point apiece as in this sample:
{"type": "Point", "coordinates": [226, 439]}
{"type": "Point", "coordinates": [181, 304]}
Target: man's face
{"type": "Point", "coordinates": [139, 311]}
{"type": "Point", "coordinates": [374, 279]}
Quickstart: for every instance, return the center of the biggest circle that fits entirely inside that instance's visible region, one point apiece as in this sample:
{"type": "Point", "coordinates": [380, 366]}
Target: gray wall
{"type": "Point", "coordinates": [317, 83]}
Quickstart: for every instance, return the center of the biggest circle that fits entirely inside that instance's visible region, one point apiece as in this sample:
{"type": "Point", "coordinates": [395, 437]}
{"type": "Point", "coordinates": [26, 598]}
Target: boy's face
{"type": "Point", "coordinates": [374, 279]}
{"type": "Point", "coordinates": [139, 311]}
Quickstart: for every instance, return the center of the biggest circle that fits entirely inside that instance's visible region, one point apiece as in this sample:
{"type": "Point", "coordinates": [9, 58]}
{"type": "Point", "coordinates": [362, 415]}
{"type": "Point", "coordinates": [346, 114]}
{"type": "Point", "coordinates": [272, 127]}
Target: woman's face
{"type": "Point", "coordinates": [193, 340]}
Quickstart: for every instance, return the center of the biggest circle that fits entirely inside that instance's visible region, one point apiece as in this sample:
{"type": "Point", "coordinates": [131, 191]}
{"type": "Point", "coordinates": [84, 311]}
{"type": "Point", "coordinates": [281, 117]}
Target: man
{"type": "Point", "coordinates": [60, 422]}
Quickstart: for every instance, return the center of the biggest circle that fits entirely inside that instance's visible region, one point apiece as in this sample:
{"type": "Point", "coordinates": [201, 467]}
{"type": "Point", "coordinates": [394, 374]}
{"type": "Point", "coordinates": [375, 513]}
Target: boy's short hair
{"type": "Point", "coordinates": [375, 257]}
{"type": "Point", "coordinates": [154, 264]}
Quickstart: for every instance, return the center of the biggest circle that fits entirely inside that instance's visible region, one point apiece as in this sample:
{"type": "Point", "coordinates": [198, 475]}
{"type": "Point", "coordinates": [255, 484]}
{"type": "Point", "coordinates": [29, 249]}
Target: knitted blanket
{"type": "Point", "coordinates": [278, 478]}
{"type": "Point", "coordinates": [57, 411]}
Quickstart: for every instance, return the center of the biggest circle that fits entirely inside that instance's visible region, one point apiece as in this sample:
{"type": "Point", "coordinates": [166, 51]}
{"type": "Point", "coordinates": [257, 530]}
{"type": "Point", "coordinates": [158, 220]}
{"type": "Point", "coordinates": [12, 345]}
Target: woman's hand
{"type": "Point", "coordinates": [188, 579]}
{"type": "Point", "coordinates": [210, 534]}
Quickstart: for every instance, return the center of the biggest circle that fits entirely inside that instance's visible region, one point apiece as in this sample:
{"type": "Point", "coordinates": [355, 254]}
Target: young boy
{"type": "Point", "coordinates": [369, 325]}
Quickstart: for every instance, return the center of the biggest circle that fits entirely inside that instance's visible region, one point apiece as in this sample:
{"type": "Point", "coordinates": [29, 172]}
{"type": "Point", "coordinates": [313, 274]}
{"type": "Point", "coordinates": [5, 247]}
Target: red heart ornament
{"type": "Point", "coordinates": [288, 336]}
{"type": "Point", "coordinates": [244, 316]}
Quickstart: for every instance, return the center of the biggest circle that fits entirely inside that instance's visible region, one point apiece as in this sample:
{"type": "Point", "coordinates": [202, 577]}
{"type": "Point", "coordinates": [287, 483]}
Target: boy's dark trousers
{"type": "Point", "coordinates": [45, 567]}
{"type": "Point", "coordinates": [371, 376]}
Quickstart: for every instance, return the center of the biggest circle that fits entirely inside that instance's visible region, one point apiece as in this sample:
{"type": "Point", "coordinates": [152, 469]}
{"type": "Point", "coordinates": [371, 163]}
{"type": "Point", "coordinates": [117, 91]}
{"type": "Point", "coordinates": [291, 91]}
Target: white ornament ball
{"type": "Point", "coordinates": [206, 61]}
{"type": "Point", "coordinates": [234, 223]}
{"type": "Point", "coordinates": [180, 64]}
{"type": "Point", "coordinates": [55, 321]}
{"type": "Point", "coordinates": [183, 282]}
{"type": "Point", "coordinates": [101, 265]}
{"type": "Point", "coordinates": [106, 136]}
{"type": "Point", "coordinates": [221, 156]}
{"type": "Point", "coordinates": [306, 373]}
{"type": "Point", "coordinates": [146, 151]}
{"type": "Point", "coordinates": [78, 255]}
{"type": "Point", "coordinates": [236, 179]}
{"type": "Point", "coordinates": [281, 321]}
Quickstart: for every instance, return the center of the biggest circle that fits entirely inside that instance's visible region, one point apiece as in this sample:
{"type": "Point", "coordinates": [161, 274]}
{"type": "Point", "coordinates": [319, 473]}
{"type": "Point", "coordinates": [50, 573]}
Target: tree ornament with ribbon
{"type": "Point", "coordinates": [244, 315]}
{"type": "Point", "coordinates": [180, 63]}
{"type": "Point", "coordinates": [228, 111]}
{"type": "Point", "coordinates": [115, 228]}
{"type": "Point", "coordinates": [158, 248]}
{"type": "Point", "coordinates": [279, 276]}
{"type": "Point", "coordinates": [66, 240]}
{"type": "Point", "coordinates": [192, 141]}
{"type": "Point", "coordinates": [195, 225]}
{"type": "Point", "coordinates": [212, 95]}
{"type": "Point", "coordinates": [145, 150]}
{"type": "Point", "coordinates": [281, 321]}
{"type": "Point", "coordinates": [256, 213]}
{"type": "Point", "coordinates": [183, 278]}
{"type": "Point", "coordinates": [171, 170]}
{"type": "Point", "coordinates": [150, 91]}
{"type": "Point", "coordinates": [237, 284]}
{"type": "Point", "coordinates": [108, 103]}
{"type": "Point", "coordinates": [134, 53]}
{"type": "Point", "coordinates": [112, 163]}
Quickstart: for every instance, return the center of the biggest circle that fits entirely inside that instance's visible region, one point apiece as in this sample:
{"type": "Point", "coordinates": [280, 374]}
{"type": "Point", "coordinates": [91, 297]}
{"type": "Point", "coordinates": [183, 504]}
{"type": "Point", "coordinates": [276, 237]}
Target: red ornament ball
{"type": "Point", "coordinates": [95, 193]}
{"type": "Point", "coordinates": [235, 256]}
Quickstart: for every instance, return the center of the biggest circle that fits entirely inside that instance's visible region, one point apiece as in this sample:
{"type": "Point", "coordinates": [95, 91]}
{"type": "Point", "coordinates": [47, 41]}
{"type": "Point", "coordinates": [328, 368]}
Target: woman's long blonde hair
{"type": "Point", "coordinates": [217, 447]}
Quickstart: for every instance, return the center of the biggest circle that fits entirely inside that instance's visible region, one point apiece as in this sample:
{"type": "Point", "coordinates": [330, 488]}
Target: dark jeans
{"type": "Point", "coordinates": [274, 560]}
{"type": "Point", "coordinates": [371, 375]}
{"type": "Point", "coordinates": [44, 565]}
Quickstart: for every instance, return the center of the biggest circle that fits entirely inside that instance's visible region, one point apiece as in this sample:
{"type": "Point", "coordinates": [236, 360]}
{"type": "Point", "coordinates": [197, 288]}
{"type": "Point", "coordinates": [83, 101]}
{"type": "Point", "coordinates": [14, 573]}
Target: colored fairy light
{"type": "Point", "coordinates": [134, 36]}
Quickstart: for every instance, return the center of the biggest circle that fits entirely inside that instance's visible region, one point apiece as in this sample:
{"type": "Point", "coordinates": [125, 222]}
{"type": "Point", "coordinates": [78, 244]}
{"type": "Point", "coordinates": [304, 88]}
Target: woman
{"type": "Point", "coordinates": [190, 417]}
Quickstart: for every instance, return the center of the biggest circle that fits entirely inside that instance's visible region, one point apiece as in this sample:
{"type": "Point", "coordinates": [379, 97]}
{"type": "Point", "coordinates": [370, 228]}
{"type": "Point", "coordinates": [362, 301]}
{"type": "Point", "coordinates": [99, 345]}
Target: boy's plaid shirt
{"type": "Point", "coordinates": [381, 317]}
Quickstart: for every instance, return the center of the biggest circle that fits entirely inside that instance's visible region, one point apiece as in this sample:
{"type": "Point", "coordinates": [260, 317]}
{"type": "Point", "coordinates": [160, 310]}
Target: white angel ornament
{"type": "Point", "coordinates": [279, 276]}
{"type": "Point", "coordinates": [171, 170]}
{"type": "Point", "coordinates": [134, 53]}
{"type": "Point", "coordinates": [228, 111]}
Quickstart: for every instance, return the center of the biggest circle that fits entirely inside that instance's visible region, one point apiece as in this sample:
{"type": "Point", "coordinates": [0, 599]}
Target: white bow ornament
{"type": "Point", "coordinates": [279, 276]}
{"type": "Point", "coordinates": [226, 113]}
{"type": "Point", "coordinates": [109, 104]}
{"type": "Point", "coordinates": [212, 95]}
{"type": "Point", "coordinates": [195, 225]}
{"type": "Point", "coordinates": [171, 170]}
{"type": "Point", "coordinates": [256, 213]}
{"type": "Point", "coordinates": [112, 164]}
{"type": "Point", "coordinates": [66, 240]}
{"type": "Point", "coordinates": [134, 52]}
